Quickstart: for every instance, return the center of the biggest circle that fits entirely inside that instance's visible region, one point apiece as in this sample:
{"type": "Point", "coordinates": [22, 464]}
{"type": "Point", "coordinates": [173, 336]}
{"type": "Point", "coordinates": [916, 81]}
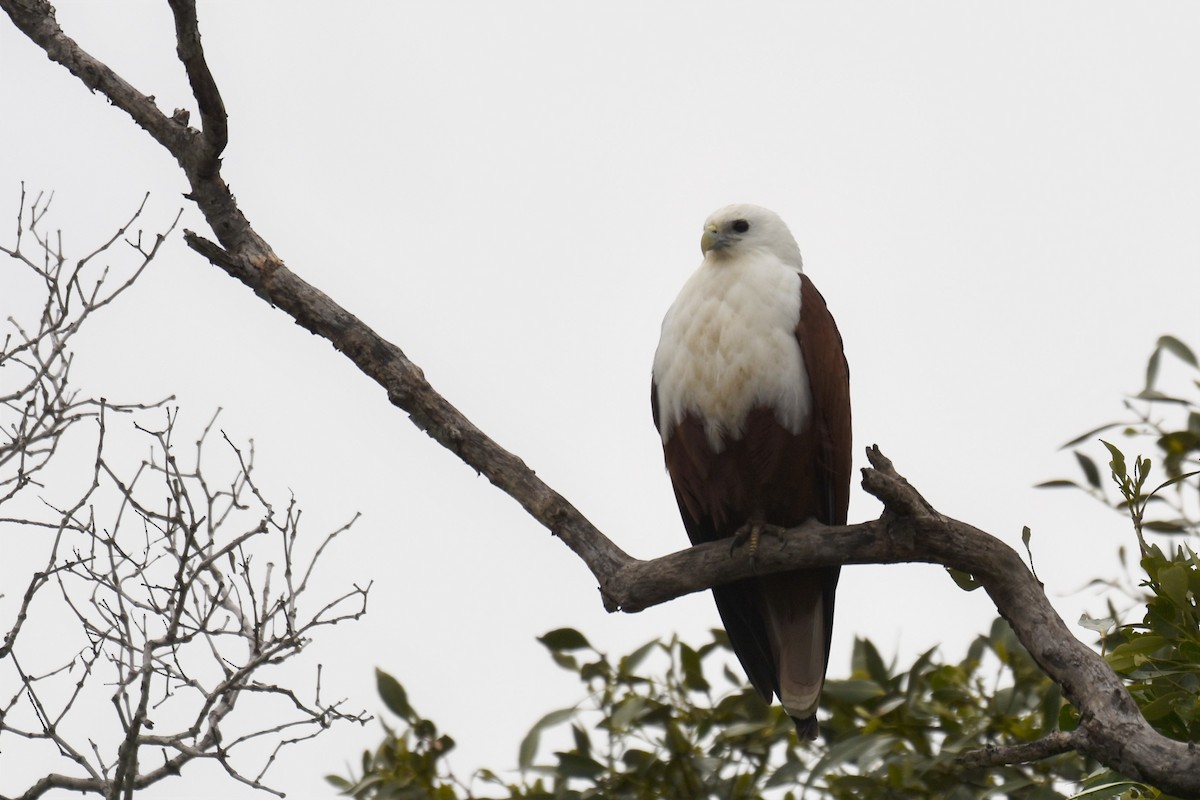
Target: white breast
{"type": "Point", "coordinates": [729, 344]}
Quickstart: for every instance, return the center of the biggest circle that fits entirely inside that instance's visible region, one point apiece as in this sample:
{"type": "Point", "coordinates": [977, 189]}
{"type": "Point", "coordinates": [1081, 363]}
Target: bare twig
{"type": "Point", "coordinates": [168, 591]}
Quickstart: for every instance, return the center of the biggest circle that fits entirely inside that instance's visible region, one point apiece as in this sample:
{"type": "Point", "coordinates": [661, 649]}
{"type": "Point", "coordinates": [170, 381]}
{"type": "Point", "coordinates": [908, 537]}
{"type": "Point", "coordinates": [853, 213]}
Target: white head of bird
{"type": "Point", "coordinates": [742, 229]}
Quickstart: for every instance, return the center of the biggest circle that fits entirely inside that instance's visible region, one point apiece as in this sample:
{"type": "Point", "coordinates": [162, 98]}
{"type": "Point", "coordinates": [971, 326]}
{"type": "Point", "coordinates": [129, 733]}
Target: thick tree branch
{"type": "Point", "coordinates": [1048, 746]}
{"type": "Point", "coordinates": [1111, 727]}
{"type": "Point", "coordinates": [213, 119]}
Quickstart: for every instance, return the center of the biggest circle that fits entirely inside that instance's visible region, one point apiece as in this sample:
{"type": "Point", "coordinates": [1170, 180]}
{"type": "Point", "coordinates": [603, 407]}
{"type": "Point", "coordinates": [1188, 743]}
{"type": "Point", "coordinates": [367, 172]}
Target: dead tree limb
{"type": "Point", "coordinates": [1111, 727]}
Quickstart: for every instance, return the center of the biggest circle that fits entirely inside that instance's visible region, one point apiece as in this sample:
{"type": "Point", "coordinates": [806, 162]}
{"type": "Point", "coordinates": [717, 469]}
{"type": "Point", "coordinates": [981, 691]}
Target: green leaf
{"type": "Point", "coordinates": [965, 580]}
{"type": "Point", "coordinates": [1162, 706]}
{"type": "Point", "coordinates": [1117, 465]}
{"type": "Point", "coordinates": [1087, 437]}
{"type": "Point", "coordinates": [529, 745]}
{"type": "Point", "coordinates": [1152, 370]}
{"type": "Point", "coordinates": [1090, 471]}
{"type": "Point", "coordinates": [1106, 790]}
{"type": "Point", "coordinates": [741, 729]}
{"type": "Point", "coordinates": [565, 660]}
{"type": "Point", "coordinates": [854, 691]}
{"type": "Point", "coordinates": [1141, 644]}
{"type": "Point", "coordinates": [627, 710]}
{"type": "Point", "coordinates": [574, 765]}
{"type": "Point", "coordinates": [1160, 397]}
{"type": "Point", "coordinates": [1174, 583]}
{"type": "Point", "coordinates": [788, 774]}
{"type": "Point", "coordinates": [593, 670]}
{"type": "Point", "coordinates": [1050, 705]}
{"type": "Point", "coordinates": [1003, 641]}
{"type": "Point", "coordinates": [1166, 525]}
{"type": "Point", "coordinates": [866, 661]}
{"type": "Point", "coordinates": [629, 664]}
{"type": "Point", "coordinates": [1057, 483]}
{"type": "Point", "coordinates": [639, 760]}
{"type": "Point", "coordinates": [583, 742]}
{"type": "Point", "coordinates": [854, 750]}
{"type": "Point", "coordinates": [393, 694]}
{"type": "Point", "coordinates": [1068, 718]}
{"type": "Point", "coordinates": [693, 674]}
{"type": "Point", "coordinates": [564, 639]}
{"type": "Point", "coordinates": [1178, 349]}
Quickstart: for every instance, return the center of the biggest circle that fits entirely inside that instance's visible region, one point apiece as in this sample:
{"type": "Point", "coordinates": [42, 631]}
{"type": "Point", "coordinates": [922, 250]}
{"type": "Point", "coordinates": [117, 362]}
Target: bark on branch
{"type": "Point", "coordinates": [1111, 728]}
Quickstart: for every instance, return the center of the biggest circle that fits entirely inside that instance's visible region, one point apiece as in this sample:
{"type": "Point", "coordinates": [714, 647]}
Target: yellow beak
{"type": "Point", "coordinates": [712, 239]}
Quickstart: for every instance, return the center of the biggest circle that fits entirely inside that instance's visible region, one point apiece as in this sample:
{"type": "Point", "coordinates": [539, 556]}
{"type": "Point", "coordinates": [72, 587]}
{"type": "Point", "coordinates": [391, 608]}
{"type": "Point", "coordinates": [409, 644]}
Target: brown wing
{"type": "Point", "coordinates": [799, 605]}
{"type": "Point", "coordinates": [821, 346]}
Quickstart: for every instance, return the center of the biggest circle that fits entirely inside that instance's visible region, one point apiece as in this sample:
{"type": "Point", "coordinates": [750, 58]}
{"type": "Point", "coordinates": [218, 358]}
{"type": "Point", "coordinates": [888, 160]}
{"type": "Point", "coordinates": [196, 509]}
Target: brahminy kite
{"type": "Point", "coordinates": [751, 396]}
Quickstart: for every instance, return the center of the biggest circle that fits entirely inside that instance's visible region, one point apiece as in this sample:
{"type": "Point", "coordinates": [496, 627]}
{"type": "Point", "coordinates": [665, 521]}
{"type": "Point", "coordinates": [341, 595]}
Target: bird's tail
{"type": "Point", "coordinates": [794, 606]}
{"type": "Point", "coordinates": [807, 729]}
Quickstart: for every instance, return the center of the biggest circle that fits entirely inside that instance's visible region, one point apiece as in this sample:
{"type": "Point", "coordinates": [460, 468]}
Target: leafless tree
{"type": "Point", "coordinates": [165, 594]}
{"type": "Point", "coordinates": [1111, 729]}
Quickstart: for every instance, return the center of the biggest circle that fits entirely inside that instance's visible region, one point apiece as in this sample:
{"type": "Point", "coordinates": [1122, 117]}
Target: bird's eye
{"type": "Point", "coordinates": [740, 226]}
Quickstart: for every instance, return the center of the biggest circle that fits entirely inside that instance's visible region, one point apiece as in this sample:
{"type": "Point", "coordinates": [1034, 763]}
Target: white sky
{"type": "Point", "coordinates": [998, 201]}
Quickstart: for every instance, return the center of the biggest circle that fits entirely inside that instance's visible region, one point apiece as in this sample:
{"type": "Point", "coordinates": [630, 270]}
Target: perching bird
{"type": "Point", "coordinates": [751, 396]}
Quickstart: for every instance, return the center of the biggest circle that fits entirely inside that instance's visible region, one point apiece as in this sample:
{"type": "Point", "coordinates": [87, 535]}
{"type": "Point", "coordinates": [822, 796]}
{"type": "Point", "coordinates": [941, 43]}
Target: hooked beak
{"type": "Point", "coordinates": [713, 239]}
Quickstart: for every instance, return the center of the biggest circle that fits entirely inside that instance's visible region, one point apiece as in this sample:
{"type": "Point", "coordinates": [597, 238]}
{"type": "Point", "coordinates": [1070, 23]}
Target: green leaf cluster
{"type": "Point", "coordinates": [1160, 655]}
{"type": "Point", "coordinates": [898, 733]}
{"type": "Point", "coordinates": [1166, 421]}
{"type": "Point", "coordinates": [673, 720]}
{"type": "Point", "coordinates": [409, 763]}
{"type": "Point", "coordinates": [667, 720]}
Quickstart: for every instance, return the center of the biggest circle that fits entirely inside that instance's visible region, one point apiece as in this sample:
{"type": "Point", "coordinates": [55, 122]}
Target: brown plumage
{"type": "Point", "coordinates": [778, 467]}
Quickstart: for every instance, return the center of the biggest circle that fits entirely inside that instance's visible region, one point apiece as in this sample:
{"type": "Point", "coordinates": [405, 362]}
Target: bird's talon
{"type": "Point", "coordinates": [750, 534]}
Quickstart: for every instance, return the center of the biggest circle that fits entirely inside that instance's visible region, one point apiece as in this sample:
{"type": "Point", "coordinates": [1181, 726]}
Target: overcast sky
{"type": "Point", "coordinates": [998, 201]}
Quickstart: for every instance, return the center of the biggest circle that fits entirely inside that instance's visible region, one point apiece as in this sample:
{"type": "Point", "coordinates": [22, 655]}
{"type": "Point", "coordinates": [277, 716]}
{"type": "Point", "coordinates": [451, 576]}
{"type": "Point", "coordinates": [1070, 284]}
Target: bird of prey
{"type": "Point", "coordinates": [751, 396]}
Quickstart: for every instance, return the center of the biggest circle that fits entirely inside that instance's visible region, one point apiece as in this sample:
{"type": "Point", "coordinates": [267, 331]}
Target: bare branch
{"type": "Point", "coordinates": [168, 593]}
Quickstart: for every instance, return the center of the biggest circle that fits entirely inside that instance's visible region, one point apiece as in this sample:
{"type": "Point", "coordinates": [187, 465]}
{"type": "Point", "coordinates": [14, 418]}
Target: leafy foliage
{"type": "Point", "coordinates": [1166, 421]}
{"type": "Point", "coordinates": [1159, 655]}
{"type": "Point", "coordinates": [407, 765]}
{"type": "Point", "coordinates": [672, 720]}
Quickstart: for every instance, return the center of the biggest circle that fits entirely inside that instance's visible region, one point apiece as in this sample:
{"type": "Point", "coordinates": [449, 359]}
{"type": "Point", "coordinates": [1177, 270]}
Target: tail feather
{"type": "Point", "coordinates": [807, 729]}
{"type": "Point", "coordinates": [794, 608]}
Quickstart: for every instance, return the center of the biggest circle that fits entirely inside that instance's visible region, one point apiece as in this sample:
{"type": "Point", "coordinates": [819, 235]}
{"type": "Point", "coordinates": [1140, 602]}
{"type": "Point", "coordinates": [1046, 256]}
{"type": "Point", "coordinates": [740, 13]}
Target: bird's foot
{"type": "Point", "coordinates": [751, 533]}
